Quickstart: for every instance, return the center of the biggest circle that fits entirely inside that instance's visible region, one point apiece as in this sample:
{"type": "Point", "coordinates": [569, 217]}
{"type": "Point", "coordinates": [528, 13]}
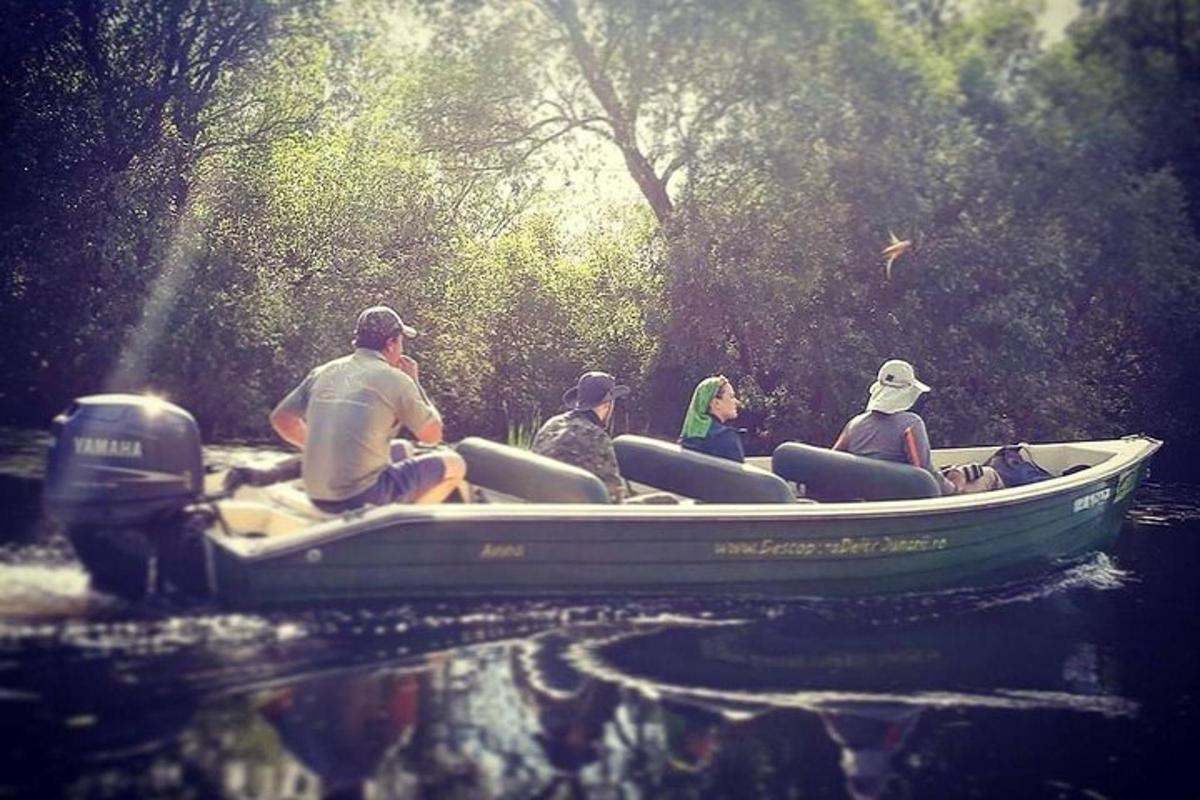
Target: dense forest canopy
{"type": "Point", "coordinates": [199, 195]}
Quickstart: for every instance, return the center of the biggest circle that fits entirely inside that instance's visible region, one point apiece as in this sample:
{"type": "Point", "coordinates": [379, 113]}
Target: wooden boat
{"type": "Point", "coordinates": [548, 529]}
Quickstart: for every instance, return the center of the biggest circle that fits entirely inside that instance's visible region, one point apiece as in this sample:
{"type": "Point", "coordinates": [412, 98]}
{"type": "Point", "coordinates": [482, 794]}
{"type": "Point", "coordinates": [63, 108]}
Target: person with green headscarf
{"type": "Point", "coordinates": [704, 430]}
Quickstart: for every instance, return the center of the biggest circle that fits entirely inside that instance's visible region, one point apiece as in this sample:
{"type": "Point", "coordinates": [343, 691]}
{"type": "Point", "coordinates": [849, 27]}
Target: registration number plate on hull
{"type": "Point", "coordinates": [1097, 498]}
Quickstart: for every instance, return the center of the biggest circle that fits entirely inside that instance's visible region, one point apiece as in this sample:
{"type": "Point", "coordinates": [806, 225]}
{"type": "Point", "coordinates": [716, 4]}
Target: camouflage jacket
{"type": "Point", "coordinates": [578, 438]}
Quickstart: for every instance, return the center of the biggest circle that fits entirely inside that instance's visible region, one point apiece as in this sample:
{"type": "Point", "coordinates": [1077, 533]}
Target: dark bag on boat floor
{"type": "Point", "coordinates": [1016, 466]}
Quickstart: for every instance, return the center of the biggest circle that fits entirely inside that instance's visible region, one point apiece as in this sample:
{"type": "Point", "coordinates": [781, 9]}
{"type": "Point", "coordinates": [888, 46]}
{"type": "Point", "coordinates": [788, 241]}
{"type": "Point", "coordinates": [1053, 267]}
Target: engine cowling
{"type": "Point", "coordinates": [122, 459]}
{"type": "Point", "coordinates": [120, 471]}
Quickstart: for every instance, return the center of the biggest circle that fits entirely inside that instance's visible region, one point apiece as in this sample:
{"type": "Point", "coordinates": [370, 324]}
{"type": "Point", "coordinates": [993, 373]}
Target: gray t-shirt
{"type": "Point", "coordinates": [899, 437]}
{"type": "Point", "coordinates": [353, 407]}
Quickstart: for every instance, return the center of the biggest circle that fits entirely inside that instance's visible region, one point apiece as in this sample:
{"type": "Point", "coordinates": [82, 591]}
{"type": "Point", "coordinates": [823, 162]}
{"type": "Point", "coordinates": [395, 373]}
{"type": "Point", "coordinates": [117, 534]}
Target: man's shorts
{"type": "Point", "coordinates": [401, 482]}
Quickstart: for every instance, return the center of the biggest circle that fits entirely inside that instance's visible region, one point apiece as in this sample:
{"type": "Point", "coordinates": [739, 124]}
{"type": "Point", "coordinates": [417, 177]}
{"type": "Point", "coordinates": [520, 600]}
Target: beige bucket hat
{"type": "Point", "coordinates": [896, 388]}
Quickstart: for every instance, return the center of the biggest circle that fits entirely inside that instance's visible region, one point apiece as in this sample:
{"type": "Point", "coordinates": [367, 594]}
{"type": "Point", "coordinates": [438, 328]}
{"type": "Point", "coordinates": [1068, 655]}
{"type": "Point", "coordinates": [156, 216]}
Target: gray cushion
{"type": "Point", "coordinates": [832, 475]}
{"type": "Point", "coordinates": [527, 475]}
{"type": "Point", "coordinates": [665, 465]}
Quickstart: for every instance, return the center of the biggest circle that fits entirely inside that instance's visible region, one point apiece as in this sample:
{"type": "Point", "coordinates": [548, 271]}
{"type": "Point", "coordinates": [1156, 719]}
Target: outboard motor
{"type": "Point", "coordinates": [120, 471]}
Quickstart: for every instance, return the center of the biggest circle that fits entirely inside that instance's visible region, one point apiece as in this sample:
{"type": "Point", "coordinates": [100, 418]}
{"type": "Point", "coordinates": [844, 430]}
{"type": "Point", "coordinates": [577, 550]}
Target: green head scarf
{"type": "Point", "coordinates": [697, 422]}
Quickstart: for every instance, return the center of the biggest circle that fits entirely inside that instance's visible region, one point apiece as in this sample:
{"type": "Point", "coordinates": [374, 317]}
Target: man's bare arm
{"type": "Point", "coordinates": [430, 432]}
{"type": "Point", "coordinates": [290, 426]}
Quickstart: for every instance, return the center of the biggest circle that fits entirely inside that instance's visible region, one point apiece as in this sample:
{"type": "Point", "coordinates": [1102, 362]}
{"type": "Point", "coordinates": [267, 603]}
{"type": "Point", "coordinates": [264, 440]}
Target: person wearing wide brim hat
{"type": "Point", "coordinates": [895, 389]}
{"type": "Point", "coordinates": [888, 430]}
{"type": "Point", "coordinates": [579, 436]}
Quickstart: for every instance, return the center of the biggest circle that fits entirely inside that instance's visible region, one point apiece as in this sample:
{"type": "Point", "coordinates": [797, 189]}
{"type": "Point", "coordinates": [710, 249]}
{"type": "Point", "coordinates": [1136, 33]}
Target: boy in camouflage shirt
{"type": "Point", "coordinates": [580, 435]}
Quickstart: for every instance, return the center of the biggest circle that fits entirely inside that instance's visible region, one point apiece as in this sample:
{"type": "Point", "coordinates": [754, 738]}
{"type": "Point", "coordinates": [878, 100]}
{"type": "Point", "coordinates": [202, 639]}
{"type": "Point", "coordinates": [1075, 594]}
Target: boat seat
{"type": "Point", "coordinates": [528, 476]}
{"type": "Point", "coordinates": [257, 519]}
{"type": "Point", "coordinates": [291, 495]}
{"type": "Point", "coordinates": [666, 465]}
{"type": "Point", "coordinates": [833, 476]}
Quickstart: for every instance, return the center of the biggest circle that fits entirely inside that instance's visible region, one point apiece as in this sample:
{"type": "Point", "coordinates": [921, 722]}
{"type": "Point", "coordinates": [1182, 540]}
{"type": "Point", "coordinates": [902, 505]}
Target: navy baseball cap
{"type": "Point", "coordinates": [593, 389]}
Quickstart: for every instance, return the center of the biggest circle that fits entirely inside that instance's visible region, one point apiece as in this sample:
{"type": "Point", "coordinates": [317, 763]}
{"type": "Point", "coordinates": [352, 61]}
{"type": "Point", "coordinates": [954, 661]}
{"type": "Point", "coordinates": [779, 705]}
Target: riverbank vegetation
{"type": "Point", "coordinates": [201, 194]}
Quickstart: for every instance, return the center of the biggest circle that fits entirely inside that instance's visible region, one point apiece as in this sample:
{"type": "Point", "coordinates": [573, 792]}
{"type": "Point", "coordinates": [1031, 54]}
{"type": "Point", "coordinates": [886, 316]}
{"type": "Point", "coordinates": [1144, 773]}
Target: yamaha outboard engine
{"type": "Point", "coordinates": [120, 472]}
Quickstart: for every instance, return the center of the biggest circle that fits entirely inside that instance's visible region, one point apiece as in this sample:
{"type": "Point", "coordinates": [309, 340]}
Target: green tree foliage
{"type": "Point", "coordinates": [296, 234]}
{"type": "Point", "coordinates": [204, 194]}
{"type": "Point", "coordinates": [106, 107]}
{"type": "Point", "coordinates": [1147, 53]}
{"type": "Point", "coordinates": [526, 314]}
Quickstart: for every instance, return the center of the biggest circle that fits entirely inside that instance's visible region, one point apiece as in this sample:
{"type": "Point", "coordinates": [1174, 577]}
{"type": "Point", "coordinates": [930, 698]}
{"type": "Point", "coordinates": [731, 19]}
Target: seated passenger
{"type": "Point", "coordinates": [344, 413]}
{"type": "Point", "coordinates": [889, 431]}
{"type": "Point", "coordinates": [704, 430]}
{"type": "Point", "coordinates": [580, 435]}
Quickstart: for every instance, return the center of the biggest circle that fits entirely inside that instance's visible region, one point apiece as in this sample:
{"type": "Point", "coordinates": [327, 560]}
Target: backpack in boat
{"type": "Point", "coordinates": [1016, 467]}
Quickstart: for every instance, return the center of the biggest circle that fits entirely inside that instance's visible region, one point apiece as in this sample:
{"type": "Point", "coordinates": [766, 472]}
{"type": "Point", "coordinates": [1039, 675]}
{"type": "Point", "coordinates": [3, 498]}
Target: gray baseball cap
{"type": "Point", "coordinates": [382, 321]}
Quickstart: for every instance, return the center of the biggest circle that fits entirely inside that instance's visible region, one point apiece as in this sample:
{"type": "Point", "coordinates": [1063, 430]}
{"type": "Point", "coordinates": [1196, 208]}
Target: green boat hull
{"type": "Point", "coordinates": [576, 549]}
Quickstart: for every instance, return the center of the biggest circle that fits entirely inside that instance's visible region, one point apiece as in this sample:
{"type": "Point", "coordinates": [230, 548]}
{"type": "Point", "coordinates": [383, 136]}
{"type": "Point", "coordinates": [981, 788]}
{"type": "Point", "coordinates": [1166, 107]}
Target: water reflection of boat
{"type": "Point", "coordinates": [572, 710]}
{"type": "Point", "coordinates": [342, 726]}
{"type": "Point", "coordinates": [654, 707]}
{"type": "Point", "coordinates": [237, 702]}
{"type": "Point", "coordinates": [869, 736]}
{"type": "Point", "coordinates": [428, 727]}
{"type": "Point", "coordinates": [868, 686]}
{"type": "Point", "coordinates": [676, 740]}
{"type": "Point", "coordinates": [126, 477]}
{"type": "Point", "coordinates": [968, 660]}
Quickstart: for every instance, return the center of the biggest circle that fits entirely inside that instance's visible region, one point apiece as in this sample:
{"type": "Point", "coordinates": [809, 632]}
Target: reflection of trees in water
{"type": "Point", "coordinates": [674, 710]}
{"type": "Point", "coordinates": [523, 721]}
{"type": "Point", "coordinates": [874, 709]}
{"type": "Point", "coordinates": [493, 722]}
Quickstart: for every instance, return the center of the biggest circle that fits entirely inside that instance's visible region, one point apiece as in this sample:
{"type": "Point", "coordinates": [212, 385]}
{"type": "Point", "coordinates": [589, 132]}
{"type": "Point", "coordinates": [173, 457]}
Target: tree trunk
{"type": "Point", "coordinates": [622, 119]}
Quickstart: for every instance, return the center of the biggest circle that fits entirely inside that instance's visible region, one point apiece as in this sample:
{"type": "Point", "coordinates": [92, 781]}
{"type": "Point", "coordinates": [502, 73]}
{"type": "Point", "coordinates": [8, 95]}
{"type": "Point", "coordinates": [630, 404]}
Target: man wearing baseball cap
{"type": "Point", "coordinates": [580, 435]}
{"type": "Point", "coordinates": [345, 413]}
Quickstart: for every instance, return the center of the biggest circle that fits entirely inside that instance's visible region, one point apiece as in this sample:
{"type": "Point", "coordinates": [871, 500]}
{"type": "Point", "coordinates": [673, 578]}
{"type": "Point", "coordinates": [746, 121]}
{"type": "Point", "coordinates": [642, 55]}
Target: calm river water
{"type": "Point", "coordinates": [1082, 684]}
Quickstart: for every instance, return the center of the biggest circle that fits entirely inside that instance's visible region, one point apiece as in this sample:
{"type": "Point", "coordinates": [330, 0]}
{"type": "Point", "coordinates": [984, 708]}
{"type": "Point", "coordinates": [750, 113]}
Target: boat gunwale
{"type": "Point", "coordinates": [1126, 453]}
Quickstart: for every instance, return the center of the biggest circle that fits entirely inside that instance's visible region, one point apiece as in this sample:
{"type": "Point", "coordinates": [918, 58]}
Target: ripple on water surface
{"type": "Point", "coordinates": [1166, 504]}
